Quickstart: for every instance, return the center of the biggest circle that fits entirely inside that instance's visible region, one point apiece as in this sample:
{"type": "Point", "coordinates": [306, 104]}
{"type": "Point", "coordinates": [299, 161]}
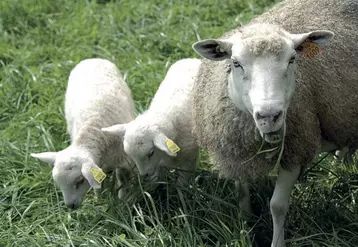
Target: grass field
{"type": "Point", "coordinates": [42, 40]}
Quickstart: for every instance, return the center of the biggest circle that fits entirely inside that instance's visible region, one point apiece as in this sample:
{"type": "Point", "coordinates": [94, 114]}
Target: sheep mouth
{"type": "Point", "coordinates": [274, 137]}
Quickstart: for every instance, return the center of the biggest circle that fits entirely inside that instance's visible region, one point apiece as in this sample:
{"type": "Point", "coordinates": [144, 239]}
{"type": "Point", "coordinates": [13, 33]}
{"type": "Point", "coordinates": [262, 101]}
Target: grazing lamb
{"type": "Point", "coordinates": [96, 96]}
{"type": "Point", "coordinates": [272, 78]}
{"type": "Point", "coordinates": [154, 138]}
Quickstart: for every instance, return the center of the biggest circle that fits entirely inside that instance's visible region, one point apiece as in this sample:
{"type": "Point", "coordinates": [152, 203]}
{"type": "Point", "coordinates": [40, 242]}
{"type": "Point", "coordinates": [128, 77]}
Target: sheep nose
{"type": "Point", "coordinates": [270, 116]}
{"type": "Point", "coordinates": [150, 172]}
{"type": "Point", "coordinates": [72, 206]}
{"type": "Point", "coordinates": [148, 177]}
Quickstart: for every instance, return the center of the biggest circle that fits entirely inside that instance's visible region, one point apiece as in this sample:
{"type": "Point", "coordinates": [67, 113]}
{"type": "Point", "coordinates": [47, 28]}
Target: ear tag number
{"type": "Point", "coordinates": [98, 175]}
{"type": "Point", "coordinates": [172, 146]}
{"type": "Point", "coordinates": [310, 49]}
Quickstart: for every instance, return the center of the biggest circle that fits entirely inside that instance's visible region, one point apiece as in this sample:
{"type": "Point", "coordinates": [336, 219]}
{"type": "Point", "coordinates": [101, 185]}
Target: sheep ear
{"type": "Point", "coordinates": [165, 144]}
{"type": "Point", "coordinates": [48, 157]}
{"type": "Point", "coordinates": [116, 130]}
{"type": "Point", "coordinates": [93, 174]}
{"type": "Point", "coordinates": [213, 49]}
{"type": "Point", "coordinates": [319, 37]}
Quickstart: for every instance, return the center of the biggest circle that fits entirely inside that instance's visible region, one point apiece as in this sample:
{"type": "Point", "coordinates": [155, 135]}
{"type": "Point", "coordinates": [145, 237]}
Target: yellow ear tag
{"type": "Point", "coordinates": [98, 175]}
{"type": "Point", "coordinates": [310, 49]}
{"type": "Point", "coordinates": [172, 146]}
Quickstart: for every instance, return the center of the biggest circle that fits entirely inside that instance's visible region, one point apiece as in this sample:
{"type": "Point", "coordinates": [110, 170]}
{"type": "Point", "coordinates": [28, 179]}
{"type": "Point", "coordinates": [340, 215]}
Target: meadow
{"type": "Point", "coordinates": [42, 40]}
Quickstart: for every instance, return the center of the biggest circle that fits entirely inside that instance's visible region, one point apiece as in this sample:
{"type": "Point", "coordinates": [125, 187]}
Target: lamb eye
{"type": "Point", "coordinates": [292, 60]}
{"type": "Point", "coordinates": [150, 154]}
{"type": "Point", "coordinates": [79, 182]}
{"type": "Point", "coordinates": [236, 64]}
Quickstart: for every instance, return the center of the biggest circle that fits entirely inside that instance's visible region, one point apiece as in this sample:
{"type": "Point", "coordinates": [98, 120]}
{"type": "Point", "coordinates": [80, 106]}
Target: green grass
{"type": "Point", "coordinates": [41, 41]}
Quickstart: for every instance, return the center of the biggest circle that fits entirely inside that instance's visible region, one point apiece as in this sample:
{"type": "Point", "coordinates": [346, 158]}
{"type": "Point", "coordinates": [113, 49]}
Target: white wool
{"type": "Point", "coordinates": [96, 96]}
{"type": "Point", "coordinates": [169, 116]}
{"type": "Point", "coordinates": [229, 111]}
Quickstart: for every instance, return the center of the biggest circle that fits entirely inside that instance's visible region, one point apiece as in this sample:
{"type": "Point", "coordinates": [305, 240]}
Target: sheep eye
{"type": "Point", "coordinates": [150, 154]}
{"type": "Point", "coordinates": [291, 60]}
{"type": "Point", "coordinates": [79, 182]}
{"type": "Point", "coordinates": [236, 64]}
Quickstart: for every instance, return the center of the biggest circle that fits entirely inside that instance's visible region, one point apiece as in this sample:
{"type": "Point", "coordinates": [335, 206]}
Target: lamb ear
{"type": "Point", "coordinates": [93, 174]}
{"type": "Point", "coordinates": [116, 130]}
{"type": "Point", "coordinates": [48, 157]}
{"type": "Point", "coordinates": [319, 37]}
{"type": "Point", "coordinates": [160, 141]}
{"type": "Point", "coordinates": [213, 49]}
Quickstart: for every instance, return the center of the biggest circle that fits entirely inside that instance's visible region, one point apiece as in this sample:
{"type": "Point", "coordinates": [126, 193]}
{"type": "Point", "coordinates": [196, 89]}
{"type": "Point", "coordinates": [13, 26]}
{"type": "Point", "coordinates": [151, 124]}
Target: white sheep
{"type": "Point", "coordinates": [284, 76]}
{"type": "Point", "coordinates": [96, 97]}
{"type": "Point", "coordinates": [154, 138]}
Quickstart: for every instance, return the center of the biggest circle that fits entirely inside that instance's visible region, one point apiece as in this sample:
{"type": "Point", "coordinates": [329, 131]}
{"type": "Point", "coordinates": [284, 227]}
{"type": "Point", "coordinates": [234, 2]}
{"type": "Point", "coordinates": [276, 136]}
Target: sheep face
{"type": "Point", "coordinates": [72, 173]}
{"type": "Point", "coordinates": [145, 144]}
{"type": "Point", "coordinates": [262, 70]}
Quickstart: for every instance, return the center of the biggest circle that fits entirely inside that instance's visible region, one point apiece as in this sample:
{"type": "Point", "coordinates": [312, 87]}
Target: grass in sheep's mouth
{"type": "Point", "coordinates": [274, 132]}
{"type": "Point", "coordinates": [280, 146]}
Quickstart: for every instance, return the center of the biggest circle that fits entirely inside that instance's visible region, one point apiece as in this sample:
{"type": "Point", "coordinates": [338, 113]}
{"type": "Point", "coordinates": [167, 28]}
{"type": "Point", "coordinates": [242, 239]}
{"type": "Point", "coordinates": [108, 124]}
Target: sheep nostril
{"type": "Point", "coordinates": [277, 116]}
{"type": "Point", "coordinates": [259, 116]}
{"type": "Point", "coordinates": [146, 177]}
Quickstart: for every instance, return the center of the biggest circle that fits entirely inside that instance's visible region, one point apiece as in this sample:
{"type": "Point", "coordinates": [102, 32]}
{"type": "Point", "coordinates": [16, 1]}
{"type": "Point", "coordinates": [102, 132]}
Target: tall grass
{"type": "Point", "coordinates": [41, 41]}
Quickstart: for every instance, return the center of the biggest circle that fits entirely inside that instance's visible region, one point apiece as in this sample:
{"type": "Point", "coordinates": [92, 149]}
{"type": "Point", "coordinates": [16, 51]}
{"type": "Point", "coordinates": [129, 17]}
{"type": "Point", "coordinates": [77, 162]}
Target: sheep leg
{"type": "Point", "coordinates": [341, 153]}
{"type": "Point", "coordinates": [185, 176]}
{"type": "Point", "coordinates": [188, 167]}
{"type": "Point", "coordinates": [97, 193]}
{"type": "Point", "coordinates": [123, 175]}
{"type": "Point", "coordinates": [105, 186]}
{"type": "Point", "coordinates": [244, 197]}
{"type": "Point", "coordinates": [279, 203]}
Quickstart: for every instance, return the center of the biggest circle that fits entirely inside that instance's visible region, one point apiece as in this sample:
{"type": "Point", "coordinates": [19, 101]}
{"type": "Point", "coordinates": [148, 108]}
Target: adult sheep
{"type": "Point", "coordinates": [263, 79]}
{"type": "Point", "coordinates": [96, 96]}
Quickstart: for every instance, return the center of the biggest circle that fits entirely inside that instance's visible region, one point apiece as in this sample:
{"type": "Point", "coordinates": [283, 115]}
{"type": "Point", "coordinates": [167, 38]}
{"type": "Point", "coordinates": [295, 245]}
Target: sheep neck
{"type": "Point", "coordinates": [91, 139]}
{"type": "Point", "coordinates": [162, 121]}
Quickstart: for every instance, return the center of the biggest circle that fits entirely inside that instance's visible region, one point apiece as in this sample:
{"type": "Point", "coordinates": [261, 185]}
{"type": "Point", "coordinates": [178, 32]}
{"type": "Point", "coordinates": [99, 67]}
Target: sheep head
{"type": "Point", "coordinates": [74, 172]}
{"type": "Point", "coordinates": [146, 144]}
{"type": "Point", "coordinates": [262, 75]}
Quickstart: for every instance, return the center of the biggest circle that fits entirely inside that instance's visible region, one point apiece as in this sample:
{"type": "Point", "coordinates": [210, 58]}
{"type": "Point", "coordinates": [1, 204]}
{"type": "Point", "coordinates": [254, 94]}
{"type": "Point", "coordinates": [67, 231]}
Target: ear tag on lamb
{"type": "Point", "coordinates": [172, 146]}
{"type": "Point", "coordinates": [310, 49]}
{"type": "Point", "coordinates": [98, 175]}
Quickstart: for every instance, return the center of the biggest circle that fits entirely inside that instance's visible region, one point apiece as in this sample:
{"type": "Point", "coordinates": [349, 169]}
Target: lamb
{"type": "Point", "coordinates": [154, 138]}
{"type": "Point", "coordinates": [96, 96]}
{"type": "Point", "coordinates": [271, 78]}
